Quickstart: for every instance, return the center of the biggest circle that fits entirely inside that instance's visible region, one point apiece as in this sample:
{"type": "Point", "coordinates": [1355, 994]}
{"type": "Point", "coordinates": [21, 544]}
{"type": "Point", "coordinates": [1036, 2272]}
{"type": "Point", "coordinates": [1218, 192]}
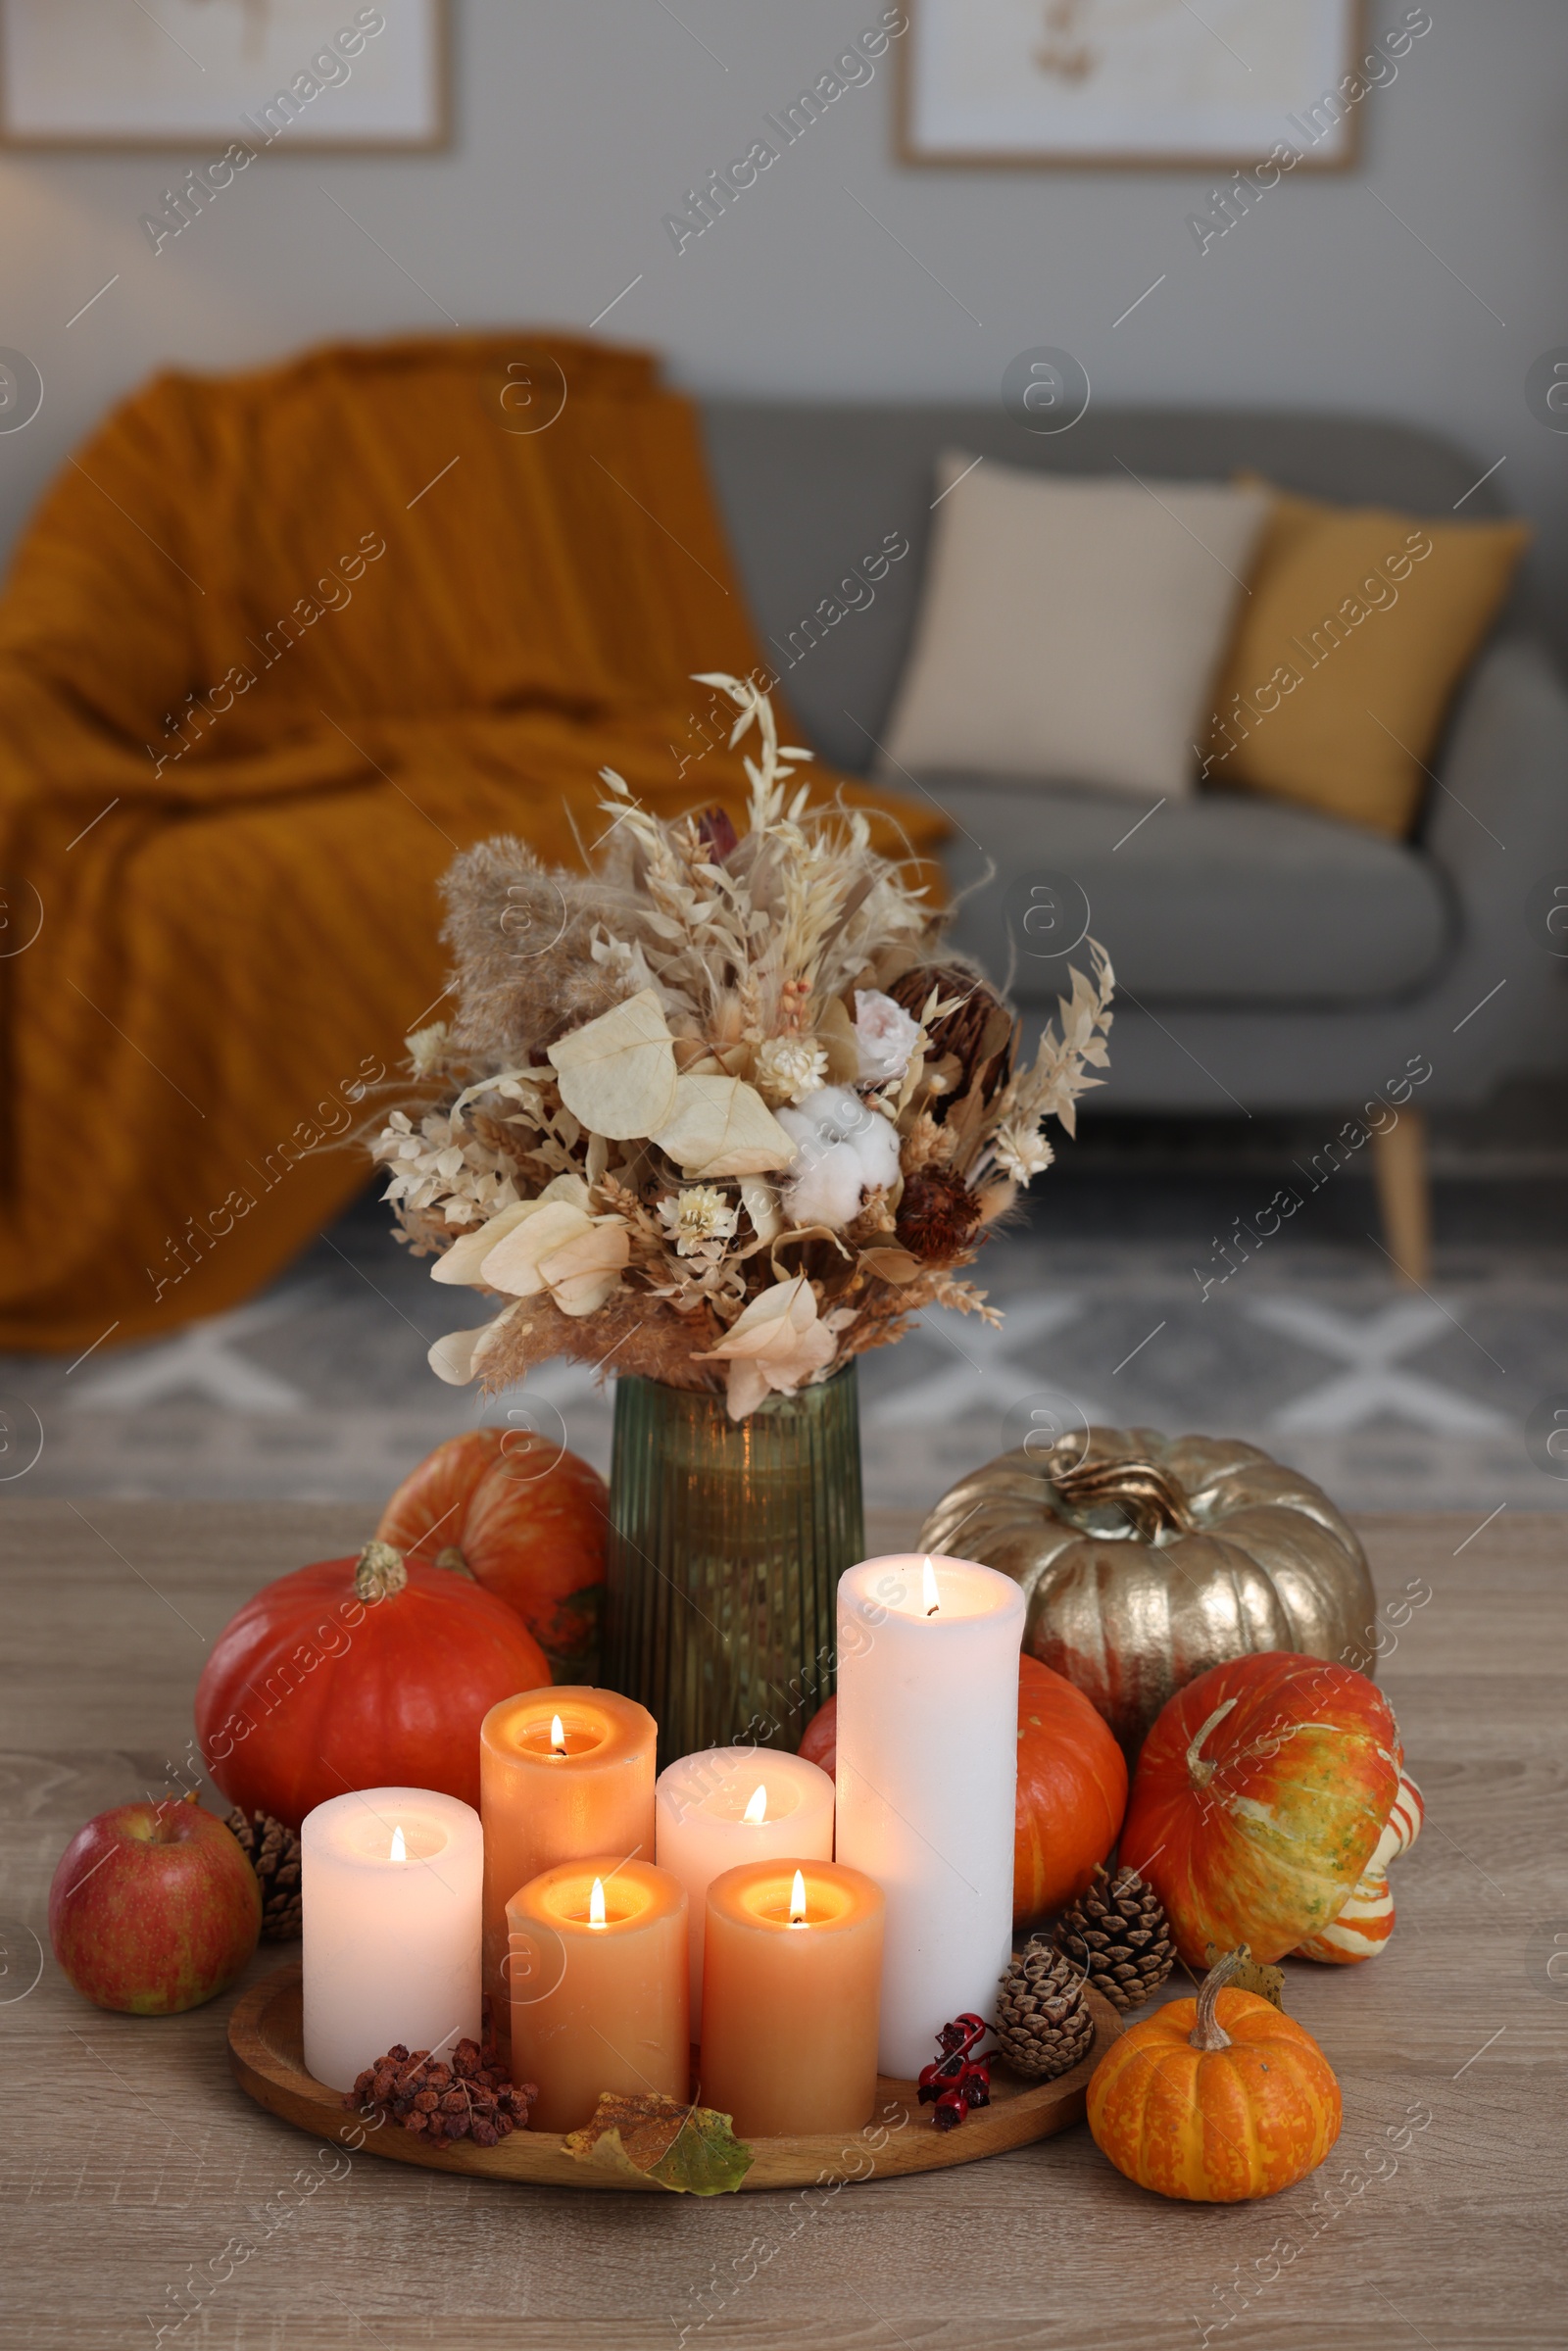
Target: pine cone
{"type": "Point", "coordinates": [962, 1031]}
{"type": "Point", "coordinates": [273, 1853]}
{"type": "Point", "coordinates": [1043, 2023]}
{"type": "Point", "coordinates": [1119, 1935]}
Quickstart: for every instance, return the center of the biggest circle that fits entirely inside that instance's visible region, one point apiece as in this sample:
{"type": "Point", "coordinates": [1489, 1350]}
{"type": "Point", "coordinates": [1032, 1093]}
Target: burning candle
{"type": "Point", "coordinates": [390, 1882]}
{"type": "Point", "coordinates": [561, 1772]}
{"type": "Point", "coordinates": [926, 1779]}
{"type": "Point", "coordinates": [598, 1972]}
{"type": "Point", "coordinates": [728, 1805]}
{"type": "Point", "coordinates": [791, 1984]}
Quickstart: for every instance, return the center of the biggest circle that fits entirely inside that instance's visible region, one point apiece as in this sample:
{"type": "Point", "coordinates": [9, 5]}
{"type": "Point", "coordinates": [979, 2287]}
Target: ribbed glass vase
{"type": "Point", "coordinates": [727, 1542]}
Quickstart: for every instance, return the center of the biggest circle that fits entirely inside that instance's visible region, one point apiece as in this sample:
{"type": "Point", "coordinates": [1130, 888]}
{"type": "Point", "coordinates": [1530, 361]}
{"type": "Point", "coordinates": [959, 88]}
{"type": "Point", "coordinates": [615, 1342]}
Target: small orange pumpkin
{"type": "Point", "coordinates": [528, 1521]}
{"type": "Point", "coordinates": [1215, 2100]}
{"type": "Point", "coordinates": [1072, 1788]}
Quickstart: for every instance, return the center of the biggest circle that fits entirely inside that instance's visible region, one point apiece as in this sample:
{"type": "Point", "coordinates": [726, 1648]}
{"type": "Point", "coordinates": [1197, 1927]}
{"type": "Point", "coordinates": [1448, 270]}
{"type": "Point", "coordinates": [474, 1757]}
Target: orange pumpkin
{"type": "Point", "coordinates": [1259, 1797]}
{"type": "Point", "coordinates": [528, 1522]}
{"type": "Point", "coordinates": [1072, 1788]}
{"type": "Point", "coordinates": [358, 1673]}
{"type": "Point", "coordinates": [1216, 2099]}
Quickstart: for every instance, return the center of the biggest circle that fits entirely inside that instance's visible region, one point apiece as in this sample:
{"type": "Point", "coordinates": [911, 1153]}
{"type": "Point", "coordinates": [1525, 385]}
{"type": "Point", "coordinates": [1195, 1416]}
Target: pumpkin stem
{"type": "Point", "coordinates": [453, 1560]}
{"type": "Point", "coordinates": [1148, 1498]}
{"type": "Point", "coordinates": [381, 1572]}
{"type": "Point", "coordinates": [1208, 2033]}
{"type": "Point", "coordinates": [1197, 1771]}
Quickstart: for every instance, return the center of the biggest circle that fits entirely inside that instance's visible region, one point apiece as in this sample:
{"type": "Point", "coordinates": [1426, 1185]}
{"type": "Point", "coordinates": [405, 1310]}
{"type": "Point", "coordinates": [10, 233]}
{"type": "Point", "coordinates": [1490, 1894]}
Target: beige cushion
{"type": "Point", "coordinates": [1360, 625]}
{"type": "Point", "coordinates": [1072, 628]}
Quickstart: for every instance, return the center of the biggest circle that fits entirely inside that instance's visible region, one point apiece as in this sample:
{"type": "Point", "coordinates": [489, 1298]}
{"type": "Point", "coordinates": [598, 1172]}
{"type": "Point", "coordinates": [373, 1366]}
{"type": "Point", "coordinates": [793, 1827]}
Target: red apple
{"type": "Point", "coordinates": [154, 1908]}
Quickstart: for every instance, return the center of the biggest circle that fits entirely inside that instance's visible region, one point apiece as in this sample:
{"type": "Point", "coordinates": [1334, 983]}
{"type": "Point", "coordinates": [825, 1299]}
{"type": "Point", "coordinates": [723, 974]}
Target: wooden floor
{"type": "Point", "coordinates": [140, 2184]}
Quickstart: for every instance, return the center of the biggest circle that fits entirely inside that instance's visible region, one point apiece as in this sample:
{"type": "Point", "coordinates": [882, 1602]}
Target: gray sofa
{"type": "Point", "coordinates": [1268, 959]}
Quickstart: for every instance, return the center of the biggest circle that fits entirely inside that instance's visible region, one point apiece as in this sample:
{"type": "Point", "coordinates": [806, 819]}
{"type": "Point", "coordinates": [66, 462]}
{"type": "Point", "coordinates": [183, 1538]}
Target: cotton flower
{"type": "Point", "coordinates": [885, 1035]}
{"type": "Point", "coordinates": [843, 1149]}
{"type": "Point", "coordinates": [776, 1344]}
{"type": "Point", "coordinates": [702, 1212]}
{"type": "Point", "coordinates": [789, 1069]}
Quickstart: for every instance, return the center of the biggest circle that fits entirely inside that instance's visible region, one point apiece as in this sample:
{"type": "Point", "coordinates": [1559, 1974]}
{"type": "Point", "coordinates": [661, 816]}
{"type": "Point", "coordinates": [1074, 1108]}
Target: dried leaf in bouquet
{"type": "Point", "coordinates": [722, 1127]}
{"type": "Point", "coordinates": [618, 1073]}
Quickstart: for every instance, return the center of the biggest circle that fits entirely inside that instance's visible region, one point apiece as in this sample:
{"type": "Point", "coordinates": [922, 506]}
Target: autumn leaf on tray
{"type": "Point", "coordinates": [1250, 1975]}
{"type": "Point", "coordinates": [690, 2149]}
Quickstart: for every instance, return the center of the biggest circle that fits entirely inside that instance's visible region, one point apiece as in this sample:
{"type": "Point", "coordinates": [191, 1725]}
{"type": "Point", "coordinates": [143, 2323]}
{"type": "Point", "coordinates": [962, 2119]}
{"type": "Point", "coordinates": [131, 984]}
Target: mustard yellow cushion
{"type": "Point", "coordinates": [1359, 625]}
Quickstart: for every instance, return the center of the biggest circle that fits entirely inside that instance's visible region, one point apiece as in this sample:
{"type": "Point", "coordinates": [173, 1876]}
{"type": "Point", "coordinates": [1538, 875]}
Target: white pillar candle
{"type": "Point", "coordinates": [390, 1885]}
{"type": "Point", "coordinates": [727, 1805]}
{"type": "Point", "coordinates": [926, 1777]}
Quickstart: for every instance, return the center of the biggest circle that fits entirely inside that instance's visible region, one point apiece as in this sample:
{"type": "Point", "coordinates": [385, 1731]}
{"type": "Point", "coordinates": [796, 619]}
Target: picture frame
{"type": "Point", "coordinates": [1159, 85]}
{"type": "Point", "coordinates": [178, 76]}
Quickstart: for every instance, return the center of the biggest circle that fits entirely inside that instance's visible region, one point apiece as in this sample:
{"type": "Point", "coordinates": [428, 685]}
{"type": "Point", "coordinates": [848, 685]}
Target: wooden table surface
{"type": "Point", "coordinates": [140, 2184]}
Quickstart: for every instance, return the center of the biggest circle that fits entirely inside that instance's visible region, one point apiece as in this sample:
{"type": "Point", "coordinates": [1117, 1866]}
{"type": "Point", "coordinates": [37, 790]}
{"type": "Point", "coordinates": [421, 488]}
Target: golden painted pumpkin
{"type": "Point", "coordinates": [1215, 2100]}
{"type": "Point", "coordinates": [1147, 1559]}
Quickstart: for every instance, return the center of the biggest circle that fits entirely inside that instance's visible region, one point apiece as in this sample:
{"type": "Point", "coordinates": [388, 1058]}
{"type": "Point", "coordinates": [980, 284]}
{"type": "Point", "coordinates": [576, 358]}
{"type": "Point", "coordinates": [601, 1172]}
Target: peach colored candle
{"type": "Point", "coordinates": [725, 1805]}
{"type": "Point", "coordinates": [544, 1799]}
{"type": "Point", "coordinates": [597, 1975]}
{"type": "Point", "coordinates": [791, 1978]}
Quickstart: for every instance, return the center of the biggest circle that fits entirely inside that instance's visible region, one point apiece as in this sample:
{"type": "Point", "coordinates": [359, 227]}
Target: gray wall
{"type": "Point", "coordinates": [580, 124]}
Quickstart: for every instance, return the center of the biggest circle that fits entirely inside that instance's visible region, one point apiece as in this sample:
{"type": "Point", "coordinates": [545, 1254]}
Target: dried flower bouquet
{"type": "Point", "coordinates": [718, 1112]}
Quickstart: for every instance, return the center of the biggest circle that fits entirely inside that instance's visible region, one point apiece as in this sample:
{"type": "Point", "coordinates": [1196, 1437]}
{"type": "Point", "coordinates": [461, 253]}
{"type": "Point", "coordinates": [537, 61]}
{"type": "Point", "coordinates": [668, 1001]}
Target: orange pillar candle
{"type": "Point", "coordinates": [792, 1983]}
{"type": "Point", "coordinates": [544, 1799]}
{"type": "Point", "coordinates": [599, 1985]}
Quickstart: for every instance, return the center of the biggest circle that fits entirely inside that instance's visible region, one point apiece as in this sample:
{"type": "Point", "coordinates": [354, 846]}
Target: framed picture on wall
{"type": "Point", "coordinates": [1162, 85]}
{"type": "Point", "coordinates": [323, 75]}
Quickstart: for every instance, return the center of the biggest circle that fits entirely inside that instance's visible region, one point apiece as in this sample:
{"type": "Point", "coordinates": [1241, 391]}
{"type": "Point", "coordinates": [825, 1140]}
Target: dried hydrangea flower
{"type": "Point", "coordinates": [789, 1069]}
{"type": "Point", "coordinates": [702, 1212]}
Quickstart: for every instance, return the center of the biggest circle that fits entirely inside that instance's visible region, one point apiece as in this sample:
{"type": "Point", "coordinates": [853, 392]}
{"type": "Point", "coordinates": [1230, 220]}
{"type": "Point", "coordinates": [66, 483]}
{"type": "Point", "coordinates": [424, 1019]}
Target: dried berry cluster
{"type": "Point", "coordinates": [464, 2098]}
{"type": "Point", "coordinates": [960, 2080]}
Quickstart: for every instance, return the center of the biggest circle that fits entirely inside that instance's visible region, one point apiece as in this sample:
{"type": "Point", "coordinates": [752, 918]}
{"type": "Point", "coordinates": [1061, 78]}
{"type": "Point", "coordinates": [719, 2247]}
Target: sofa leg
{"type": "Point", "coordinates": [1405, 1196]}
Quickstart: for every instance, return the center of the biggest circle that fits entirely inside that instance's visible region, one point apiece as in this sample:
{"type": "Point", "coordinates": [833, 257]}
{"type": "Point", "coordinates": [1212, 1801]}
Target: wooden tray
{"type": "Point", "coordinates": [266, 2051]}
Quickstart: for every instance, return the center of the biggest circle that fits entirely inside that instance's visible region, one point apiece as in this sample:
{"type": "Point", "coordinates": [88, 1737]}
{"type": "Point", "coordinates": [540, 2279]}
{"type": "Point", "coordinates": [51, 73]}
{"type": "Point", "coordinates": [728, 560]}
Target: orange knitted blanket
{"type": "Point", "coordinates": [273, 650]}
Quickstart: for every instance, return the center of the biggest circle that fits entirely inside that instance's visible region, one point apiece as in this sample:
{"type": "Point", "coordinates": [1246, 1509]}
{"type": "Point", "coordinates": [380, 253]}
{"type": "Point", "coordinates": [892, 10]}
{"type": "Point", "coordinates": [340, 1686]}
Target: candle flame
{"type": "Point", "coordinates": [931, 1598]}
{"type": "Point", "coordinates": [797, 1901]}
{"type": "Point", "coordinates": [756, 1810]}
{"type": "Point", "coordinates": [596, 1904]}
{"type": "Point", "coordinates": [400, 1851]}
{"type": "Point", "coordinates": [558, 1736]}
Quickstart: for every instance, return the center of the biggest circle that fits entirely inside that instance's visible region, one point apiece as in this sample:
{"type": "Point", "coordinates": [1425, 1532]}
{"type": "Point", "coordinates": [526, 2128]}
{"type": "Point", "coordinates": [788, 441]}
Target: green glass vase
{"type": "Point", "coordinates": [727, 1542]}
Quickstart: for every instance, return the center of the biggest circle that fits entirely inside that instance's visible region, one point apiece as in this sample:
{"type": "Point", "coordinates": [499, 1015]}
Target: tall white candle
{"type": "Point", "coordinates": [390, 1885]}
{"type": "Point", "coordinates": [927, 1771]}
{"type": "Point", "coordinates": [727, 1805]}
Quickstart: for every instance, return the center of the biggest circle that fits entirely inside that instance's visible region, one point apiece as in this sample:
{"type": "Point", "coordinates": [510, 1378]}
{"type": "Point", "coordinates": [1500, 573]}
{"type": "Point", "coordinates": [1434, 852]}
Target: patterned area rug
{"type": "Point", "coordinates": [1390, 1398]}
